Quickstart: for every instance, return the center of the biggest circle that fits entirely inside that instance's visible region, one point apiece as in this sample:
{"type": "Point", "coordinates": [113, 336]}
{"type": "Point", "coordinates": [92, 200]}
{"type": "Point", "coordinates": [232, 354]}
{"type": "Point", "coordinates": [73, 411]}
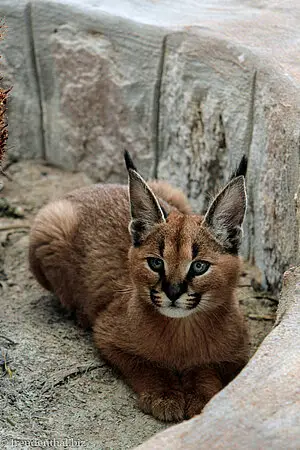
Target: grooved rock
{"type": "Point", "coordinates": [261, 407]}
{"type": "Point", "coordinates": [17, 68]}
{"type": "Point", "coordinates": [98, 75]}
{"type": "Point", "coordinates": [218, 101]}
{"type": "Point", "coordinates": [206, 101]}
{"type": "Point", "coordinates": [187, 89]}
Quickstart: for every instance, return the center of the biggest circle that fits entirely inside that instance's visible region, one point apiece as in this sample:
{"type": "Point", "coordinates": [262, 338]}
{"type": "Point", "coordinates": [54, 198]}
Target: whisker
{"type": "Point", "coordinates": [123, 285]}
{"type": "Point", "coordinates": [124, 291]}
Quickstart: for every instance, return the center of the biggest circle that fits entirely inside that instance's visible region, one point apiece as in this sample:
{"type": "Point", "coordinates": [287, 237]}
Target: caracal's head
{"type": "Point", "coordinates": [184, 264]}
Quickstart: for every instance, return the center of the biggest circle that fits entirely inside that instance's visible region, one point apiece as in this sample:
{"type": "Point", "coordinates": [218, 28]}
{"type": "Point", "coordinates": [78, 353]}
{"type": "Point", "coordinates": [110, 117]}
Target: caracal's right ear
{"type": "Point", "coordinates": [145, 209]}
{"type": "Point", "coordinates": [225, 215]}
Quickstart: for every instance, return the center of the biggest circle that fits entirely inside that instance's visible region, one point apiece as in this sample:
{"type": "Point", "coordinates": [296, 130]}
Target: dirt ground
{"type": "Point", "coordinates": [59, 388]}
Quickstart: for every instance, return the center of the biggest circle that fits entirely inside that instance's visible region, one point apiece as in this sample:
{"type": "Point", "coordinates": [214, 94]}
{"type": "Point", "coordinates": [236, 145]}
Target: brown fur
{"type": "Point", "coordinates": [80, 248]}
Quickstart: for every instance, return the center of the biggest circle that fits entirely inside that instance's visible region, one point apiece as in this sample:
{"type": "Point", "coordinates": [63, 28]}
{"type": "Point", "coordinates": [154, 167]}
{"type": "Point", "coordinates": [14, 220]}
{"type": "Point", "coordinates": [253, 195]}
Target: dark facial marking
{"type": "Point", "coordinates": [178, 236]}
{"type": "Point", "coordinates": [194, 304]}
{"type": "Point", "coordinates": [161, 247]}
{"type": "Point", "coordinates": [193, 301]}
{"type": "Point", "coordinates": [154, 297]}
{"type": "Point", "coordinates": [195, 250]}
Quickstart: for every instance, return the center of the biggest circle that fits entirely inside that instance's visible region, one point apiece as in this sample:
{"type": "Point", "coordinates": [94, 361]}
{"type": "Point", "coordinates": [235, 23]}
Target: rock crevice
{"type": "Point", "coordinates": [28, 21]}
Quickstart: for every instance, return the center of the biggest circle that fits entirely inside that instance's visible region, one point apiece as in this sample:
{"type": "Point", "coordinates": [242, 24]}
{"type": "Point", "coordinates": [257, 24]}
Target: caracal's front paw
{"type": "Point", "coordinates": [200, 385]}
{"type": "Point", "coordinates": [194, 405]}
{"type": "Point", "coordinates": [167, 405]}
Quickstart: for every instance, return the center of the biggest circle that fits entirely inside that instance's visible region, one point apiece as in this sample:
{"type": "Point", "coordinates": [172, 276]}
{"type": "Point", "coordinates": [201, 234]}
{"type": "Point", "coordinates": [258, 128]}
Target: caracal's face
{"type": "Point", "coordinates": [181, 269]}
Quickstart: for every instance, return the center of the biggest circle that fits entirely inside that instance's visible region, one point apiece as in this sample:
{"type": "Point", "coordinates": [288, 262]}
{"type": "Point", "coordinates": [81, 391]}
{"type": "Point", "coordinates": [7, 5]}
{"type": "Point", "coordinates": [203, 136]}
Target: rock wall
{"type": "Point", "coordinates": [187, 90]}
{"type": "Point", "coordinates": [218, 102]}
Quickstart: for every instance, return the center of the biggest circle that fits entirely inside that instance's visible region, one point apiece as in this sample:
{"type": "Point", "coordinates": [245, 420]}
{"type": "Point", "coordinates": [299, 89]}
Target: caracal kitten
{"type": "Point", "coordinates": [154, 281]}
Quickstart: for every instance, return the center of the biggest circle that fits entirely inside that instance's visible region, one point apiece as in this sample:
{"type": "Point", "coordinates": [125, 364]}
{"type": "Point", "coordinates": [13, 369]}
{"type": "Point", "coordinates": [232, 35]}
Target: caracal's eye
{"type": "Point", "coordinates": [199, 267]}
{"type": "Point", "coordinates": [155, 264]}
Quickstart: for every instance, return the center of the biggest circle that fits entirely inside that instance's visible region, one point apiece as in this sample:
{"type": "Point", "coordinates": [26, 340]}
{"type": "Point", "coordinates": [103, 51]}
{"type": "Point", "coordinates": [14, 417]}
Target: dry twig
{"type": "Point", "coordinates": [267, 297]}
{"type": "Point", "coordinates": [262, 317]}
{"type": "Point", "coordinates": [8, 339]}
{"type": "Point", "coordinates": [4, 364]}
{"type": "Point", "coordinates": [60, 377]}
{"type": "Point", "coordinates": [15, 227]}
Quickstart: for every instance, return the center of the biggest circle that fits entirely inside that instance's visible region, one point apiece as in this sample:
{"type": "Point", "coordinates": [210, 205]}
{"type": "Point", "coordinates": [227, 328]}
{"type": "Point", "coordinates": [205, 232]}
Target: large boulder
{"type": "Point", "coordinates": [260, 408]}
{"type": "Point", "coordinates": [187, 90]}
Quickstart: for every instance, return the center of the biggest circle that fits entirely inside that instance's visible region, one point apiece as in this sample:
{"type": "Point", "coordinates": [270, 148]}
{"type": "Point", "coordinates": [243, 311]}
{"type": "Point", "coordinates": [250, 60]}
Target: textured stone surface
{"type": "Point", "coordinates": [17, 68]}
{"type": "Point", "coordinates": [273, 179]}
{"type": "Point", "coordinates": [217, 102]}
{"type": "Point", "coordinates": [260, 408]}
{"type": "Point", "coordinates": [205, 105]}
{"type": "Point", "coordinates": [99, 86]}
{"type": "Point", "coordinates": [186, 89]}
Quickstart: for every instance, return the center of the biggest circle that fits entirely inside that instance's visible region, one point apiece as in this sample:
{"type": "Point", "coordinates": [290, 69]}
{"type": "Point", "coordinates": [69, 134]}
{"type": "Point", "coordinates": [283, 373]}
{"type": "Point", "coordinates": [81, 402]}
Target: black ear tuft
{"type": "Point", "coordinates": [241, 168]}
{"type": "Point", "coordinates": [145, 208]}
{"type": "Point", "coordinates": [128, 161]}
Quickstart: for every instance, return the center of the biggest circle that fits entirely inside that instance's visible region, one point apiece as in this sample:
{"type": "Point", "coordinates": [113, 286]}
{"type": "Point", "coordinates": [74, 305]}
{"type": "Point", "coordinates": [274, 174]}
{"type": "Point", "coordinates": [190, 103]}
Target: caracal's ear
{"type": "Point", "coordinates": [225, 216]}
{"type": "Point", "coordinates": [145, 209]}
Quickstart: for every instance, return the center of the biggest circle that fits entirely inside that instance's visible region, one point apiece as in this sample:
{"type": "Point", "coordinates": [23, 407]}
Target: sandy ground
{"type": "Point", "coordinates": [59, 388]}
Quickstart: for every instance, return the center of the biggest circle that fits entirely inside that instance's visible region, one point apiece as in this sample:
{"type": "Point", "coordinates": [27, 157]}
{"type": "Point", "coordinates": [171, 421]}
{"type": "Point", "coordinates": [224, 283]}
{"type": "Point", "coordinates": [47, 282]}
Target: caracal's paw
{"type": "Point", "coordinates": [167, 405]}
{"type": "Point", "coordinates": [193, 405]}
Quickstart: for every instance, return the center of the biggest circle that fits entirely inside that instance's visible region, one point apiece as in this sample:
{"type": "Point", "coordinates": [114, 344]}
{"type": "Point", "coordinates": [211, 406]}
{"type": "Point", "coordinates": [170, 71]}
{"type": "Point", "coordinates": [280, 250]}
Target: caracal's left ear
{"type": "Point", "coordinates": [225, 216]}
{"type": "Point", "coordinates": [145, 209]}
